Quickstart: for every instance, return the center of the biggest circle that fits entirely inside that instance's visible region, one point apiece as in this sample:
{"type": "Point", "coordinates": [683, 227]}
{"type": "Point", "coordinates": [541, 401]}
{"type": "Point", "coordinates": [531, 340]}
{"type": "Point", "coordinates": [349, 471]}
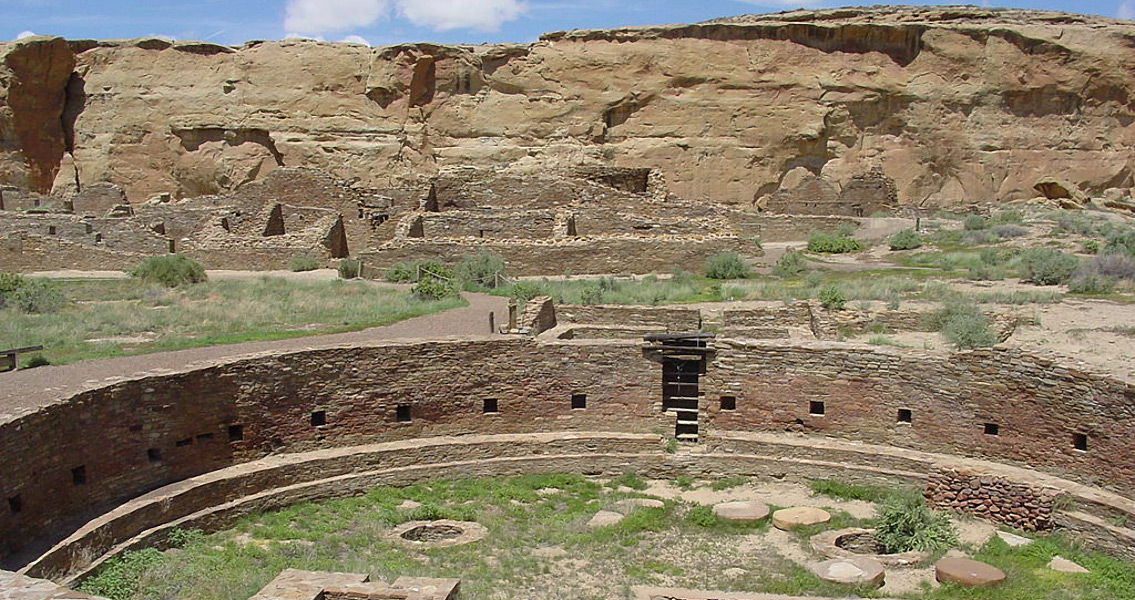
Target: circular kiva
{"type": "Point", "coordinates": [857, 571]}
{"type": "Point", "coordinates": [790, 519]}
{"type": "Point", "coordinates": [741, 512]}
{"type": "Point", "coordinates": [438, 534]}
{"type": "Point", "coordinates": [968, 573]}
{"type": "Point", "coordinates": [855, 542]}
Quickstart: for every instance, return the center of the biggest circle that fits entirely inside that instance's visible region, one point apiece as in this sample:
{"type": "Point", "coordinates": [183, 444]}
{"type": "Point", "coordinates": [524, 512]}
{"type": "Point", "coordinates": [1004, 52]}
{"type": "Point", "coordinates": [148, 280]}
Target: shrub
{"type": "Point", "coordinates": [905, 523]}
{"type": "Point", "coordinates": [591, 294]}
{"type": "Point", "coordinates": [907, 239]}
{"type": "Point", "coordinates": [303, 263]}
{"type": "Point", "coordinates": [1047, 266]}
{"type": "Point", "coordinates": [431, 288]}
{"type": "Point", "coordinates": [118, 578]}
{"type": "Point", "coordinates": [986, 272]}
{"type": "Point", "coordinates": [172, 270]}
{"type": "Point", "coordinates": [791, 264]}
{"type": "Point", "coordinates": [833, 244]}
{"type": "Point", "coordinates": [1090, 281]}
{"type": "Point", "coordinates": [402, 272]}
{"type": "Point", "coordinates": [37, 360]}
{"type": "Point", "coordinates": [832, 298]}
{"type": "Point", "coordinates": [726, 265]}
{"type": "Point", "coordinates": [974, 223]}
{"type": "Point", "coordinates": [1119, 266]}
{"type": "Point", "coordinates": [1120, 242]}
{"type": "Point", "coordinates": [349, 268]}
{"type": "Point", "coordinates": [36, 296]}
{"type": "Point", "coordinates": [965, 326]}
{"type": "Point", "coordinates": [484, 269]}
{"type": "Point", "coordinates": [1090, 247]}
{"type": "Point", "coordinates": [1007, 232]}
{"type": "Point", "coordinates": [1014, 217]}
{"type": "Point", "coordinates": [10, 282]}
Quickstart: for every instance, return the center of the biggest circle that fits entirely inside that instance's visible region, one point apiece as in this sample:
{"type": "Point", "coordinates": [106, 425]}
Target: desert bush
{"type": "Point", "coordinates": [172, 270]}
{"type": "Point", "coordinates": [1009, 217]}
{"type": "Point", "coordinates": [483, 269]}
{"type": "Point", "coordinates": [833, 243]}
{"type": "Point", "coordinates": [974, 223]}
{"type": "Point", "coordinates": [964, 326]}
{"type": "Point", "coordinates": [907, 239]}
{"type": "Point", "coordinates": [904, 523]}
{"type": "Point", "coordinates": [303, 263]}
{"type": "Point", "coordinates": [432, 288]}
{"type": "Point", "coordinates": [791, 264]}
{"type": "Point", "coordinates": [986, 272]}
{"type": "Point", "coordinates": [1007, 232]}
{"type": "Point", "coordinates": [349, 268]}
{"type": "Point", "coordinates": [1047, 266]}
{"type": "Point", "coordinates": [980, 236]}
{"type": "Point", "coordinates": [1090, 247]}
{"type": "Point", "coordinates": [832, 298]}
{"type": "Point", "coordinates": [591, 295]}
{"type": "Point", "coordinates": [726, 265]}
{"type": "Point", "coordinates": [1119, 266]}
{"type": "Point", "coordinates": [37, 360]}
{"type": "Point", "coordinates": [35, 296]}
{"type": "Point", "coordinates": [1090, 281]}
{"type": "Point", "coordinates": [402, 272]}
{"type": "Point", "coordinates": [1121, 241]}
{"type": "Point", "coordinates": [10, 282]}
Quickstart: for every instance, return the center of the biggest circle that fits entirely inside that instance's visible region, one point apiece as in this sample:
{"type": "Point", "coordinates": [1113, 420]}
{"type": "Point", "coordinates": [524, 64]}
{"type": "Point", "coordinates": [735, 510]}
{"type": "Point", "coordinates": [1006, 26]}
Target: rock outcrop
{"type": "Point", "coordinates": [955, 104]}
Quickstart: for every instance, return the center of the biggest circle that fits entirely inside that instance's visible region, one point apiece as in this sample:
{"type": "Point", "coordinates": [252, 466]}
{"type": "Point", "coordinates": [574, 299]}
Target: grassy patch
{"type": "Point", "coordinates": [539, 546]}
{"type": "Point", "coordinates": [121, 317]}
{"type": "Point", "coordinates": [835, 488]}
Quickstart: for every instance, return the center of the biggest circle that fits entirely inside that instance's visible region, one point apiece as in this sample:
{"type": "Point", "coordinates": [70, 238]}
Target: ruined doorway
{"type": "Point", "coordinates": [683, 358]}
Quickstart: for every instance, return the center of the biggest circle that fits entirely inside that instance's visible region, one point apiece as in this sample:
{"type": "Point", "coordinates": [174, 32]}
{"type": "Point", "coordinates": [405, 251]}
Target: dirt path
{"type": "Point", "coordinates": [25, 390]}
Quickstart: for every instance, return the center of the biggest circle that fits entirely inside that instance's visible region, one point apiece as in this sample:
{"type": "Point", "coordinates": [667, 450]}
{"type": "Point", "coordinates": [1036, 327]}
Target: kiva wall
{"type": "Point", "coordinates": [70, 460]}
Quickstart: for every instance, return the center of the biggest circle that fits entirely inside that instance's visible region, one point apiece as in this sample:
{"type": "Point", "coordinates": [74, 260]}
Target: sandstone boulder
{"type": "Point", "coordinates": [857, 571]}
{"type": "Point", "coordinates": [967, 572]}
{"type": "Point", "coordinates": [790, 519]}
{"type": "Point", "coordinates": [1063, 565]}
{"type": "Point", "coordinates": [604, 518]}
{"type": "Point", "coordinates": [741, 512]}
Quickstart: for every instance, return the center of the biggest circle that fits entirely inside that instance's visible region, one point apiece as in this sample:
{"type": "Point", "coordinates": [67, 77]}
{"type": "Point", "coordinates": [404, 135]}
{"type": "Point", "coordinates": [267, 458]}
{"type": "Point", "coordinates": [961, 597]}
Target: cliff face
{"type": "Point", "coordinates": [955, 104]}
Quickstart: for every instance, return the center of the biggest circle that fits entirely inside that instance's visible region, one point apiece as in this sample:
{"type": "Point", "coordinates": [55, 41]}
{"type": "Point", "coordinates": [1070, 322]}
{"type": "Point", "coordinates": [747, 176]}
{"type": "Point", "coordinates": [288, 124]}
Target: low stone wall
{"type": "Point", "coordinates": [1016, 504]}
{"type": "Point", "coordinates": [490, 224]}
{"type": "Point", "coordinates": [665, 319]}
{"type": "Point", "coordinates": [833, 324]}
{"type": "Point", "coordinates": [785, 228]}
{"type": "Point", "coordinates": [582, 256]}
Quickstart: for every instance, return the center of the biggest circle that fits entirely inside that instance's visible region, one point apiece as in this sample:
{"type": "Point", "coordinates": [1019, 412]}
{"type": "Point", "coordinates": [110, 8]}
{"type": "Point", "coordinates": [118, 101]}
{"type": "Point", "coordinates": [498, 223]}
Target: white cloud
{"type": "Point", "coordinates": [443, 15]}
{"type": "Point", "coordinates": [314, 17]}
{"type": "Point", "coordinates": [1127, 10]}
{"type": "Point", "coordinates": [301, 37]}
{"type": "Point", "coordinates": [355, 39]}
{"type": "Point", "coordinates": [24, 34]}
{"type": "Point", "coordinates": [324, 16]}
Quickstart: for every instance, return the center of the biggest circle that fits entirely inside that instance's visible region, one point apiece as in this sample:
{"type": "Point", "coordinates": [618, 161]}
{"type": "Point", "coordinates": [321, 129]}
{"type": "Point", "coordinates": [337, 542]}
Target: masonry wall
{"type": "Point", "coordinates": [200, 421]}
{"type": "Point", "coordinates": [665, 319]}
{"type": "Point", "coordinates": [785, 228]}
{"type": "Point", "coordinates": [1037, 406]}
{"type": "Point", "coordinates": [80, 456]}
{"type": "Point", "coordinates": [490, 224]}
{"type": "Point", "coordinates": [602, 255]}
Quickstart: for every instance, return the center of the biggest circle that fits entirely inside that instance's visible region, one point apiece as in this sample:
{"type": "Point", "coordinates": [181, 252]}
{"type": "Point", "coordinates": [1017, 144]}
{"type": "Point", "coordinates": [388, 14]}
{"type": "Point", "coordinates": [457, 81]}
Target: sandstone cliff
{"type": "Point", "coordinates": [954, 104]}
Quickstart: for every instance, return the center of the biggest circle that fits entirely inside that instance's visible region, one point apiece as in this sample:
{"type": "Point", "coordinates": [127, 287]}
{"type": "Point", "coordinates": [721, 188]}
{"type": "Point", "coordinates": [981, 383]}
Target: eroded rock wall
{"type": "Point", "coordinates": [957, 105]}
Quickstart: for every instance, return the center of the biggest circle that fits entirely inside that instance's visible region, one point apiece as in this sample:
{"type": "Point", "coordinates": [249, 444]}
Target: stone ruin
{"type": "Point", "coordinates": [803, 193]}
{"type": "Point", "coordinates": [293, 584]}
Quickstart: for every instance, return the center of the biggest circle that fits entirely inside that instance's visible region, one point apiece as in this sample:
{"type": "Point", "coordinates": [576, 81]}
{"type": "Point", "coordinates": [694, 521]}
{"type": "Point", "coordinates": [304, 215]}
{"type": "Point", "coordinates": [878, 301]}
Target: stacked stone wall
{"type": "Point", "coordinates": [77, 457]}
{"type": "Point", "coordinates": [995, 498]}
{"type": "Point", "coordinates": [666, 319]}
{"type": "Point", "coordinates": [583, 256]}
{"type": "Point", "coordinates": [996, 403]}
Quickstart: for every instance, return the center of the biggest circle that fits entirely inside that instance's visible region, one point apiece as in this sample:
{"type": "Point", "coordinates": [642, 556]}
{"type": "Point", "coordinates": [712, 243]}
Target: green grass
{"type": "Point", "coordinates": [206, 314]}
{"type": "Point", "coordinates": [539, 546]}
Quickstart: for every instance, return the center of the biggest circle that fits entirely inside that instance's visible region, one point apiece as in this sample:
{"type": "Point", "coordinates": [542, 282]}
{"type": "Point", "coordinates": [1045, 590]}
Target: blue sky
{"type": "Point", "coordinates": [392, 21]}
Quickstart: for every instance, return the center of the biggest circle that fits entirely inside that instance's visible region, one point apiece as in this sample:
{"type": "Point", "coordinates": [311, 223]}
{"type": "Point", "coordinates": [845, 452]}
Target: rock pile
{"type": "Point", "coordinates": [1021, 506]}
